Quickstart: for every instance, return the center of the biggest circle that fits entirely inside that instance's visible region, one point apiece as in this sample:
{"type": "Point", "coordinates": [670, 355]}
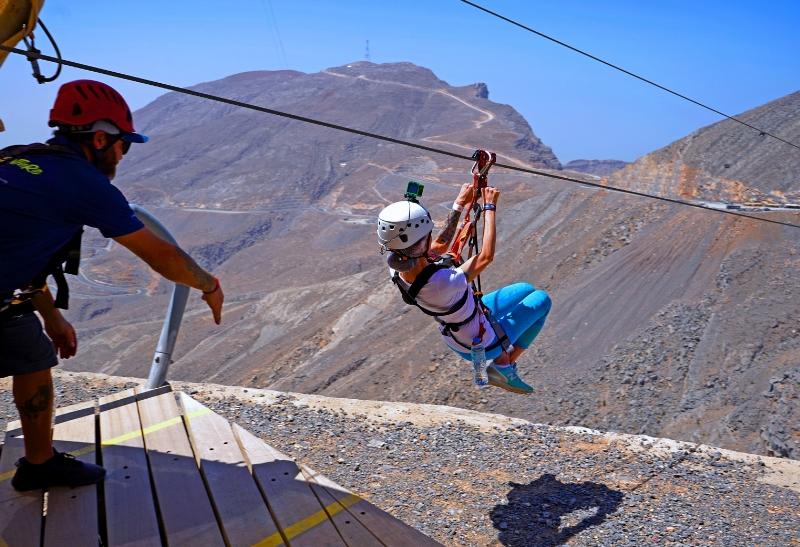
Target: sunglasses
{"type": "Point", "coordinates": [112, 140]}
{"type": "Point", "coordinates": [126, 145]}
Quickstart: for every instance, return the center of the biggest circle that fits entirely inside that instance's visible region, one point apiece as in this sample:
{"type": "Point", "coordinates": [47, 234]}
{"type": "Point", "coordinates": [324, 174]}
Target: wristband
{"type": "Point", "coordinates": [457, 207]}
{"type": "Point", "coordinates": [215, 289]}
{"type": "Point", "coordinates": [490, 207]}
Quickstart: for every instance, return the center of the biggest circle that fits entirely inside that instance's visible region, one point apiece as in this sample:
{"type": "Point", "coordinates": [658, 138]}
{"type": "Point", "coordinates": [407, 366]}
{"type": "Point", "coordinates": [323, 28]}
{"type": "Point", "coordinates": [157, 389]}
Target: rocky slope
{"type": "Point", "coordinates": [727, 161]}
{"type": "Point", "coordinates": [666, 321]}
{"type": "Point", "coordinates": [470, 478]}
{"type": "Point", "coordinates": [601, 168]}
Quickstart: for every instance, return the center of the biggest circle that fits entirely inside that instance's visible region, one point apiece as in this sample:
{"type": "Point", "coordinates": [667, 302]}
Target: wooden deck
{"type": "Point", "coordinates": [179, 474]}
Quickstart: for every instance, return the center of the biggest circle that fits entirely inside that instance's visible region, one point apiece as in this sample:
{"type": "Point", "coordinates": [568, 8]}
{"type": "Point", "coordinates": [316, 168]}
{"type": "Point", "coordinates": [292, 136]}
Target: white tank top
{"type": "Point", "coordinates": [443, 291]}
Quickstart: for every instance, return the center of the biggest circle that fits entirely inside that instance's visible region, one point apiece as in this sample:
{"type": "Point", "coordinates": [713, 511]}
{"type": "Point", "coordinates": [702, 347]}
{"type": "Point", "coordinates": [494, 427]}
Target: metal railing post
{"type": "Point", "coordinates": [177, 304]}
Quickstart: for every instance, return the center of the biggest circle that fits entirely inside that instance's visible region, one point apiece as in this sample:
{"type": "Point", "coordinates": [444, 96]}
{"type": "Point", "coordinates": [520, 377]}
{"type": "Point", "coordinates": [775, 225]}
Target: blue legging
{"type": "Point", "coordinates": [521, 310]}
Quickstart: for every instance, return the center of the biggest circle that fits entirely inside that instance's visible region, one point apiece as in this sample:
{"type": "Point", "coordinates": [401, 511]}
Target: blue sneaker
{"type": "Point", "coordinates": [506, 377]}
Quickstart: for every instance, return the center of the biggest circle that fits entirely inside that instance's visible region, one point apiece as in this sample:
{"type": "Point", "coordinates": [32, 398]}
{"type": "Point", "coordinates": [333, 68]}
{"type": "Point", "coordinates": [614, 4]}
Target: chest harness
{"type": "Point", "coordinates": [467, 233]}
{"type": "Point", "coordinates": [64, 261]}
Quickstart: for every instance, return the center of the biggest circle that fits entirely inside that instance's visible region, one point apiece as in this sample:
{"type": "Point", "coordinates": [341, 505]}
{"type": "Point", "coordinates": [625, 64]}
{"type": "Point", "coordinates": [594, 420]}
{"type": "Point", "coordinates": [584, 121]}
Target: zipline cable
{"type": "Point", "coordinates": [628, 72]}
{"type": "Point", "coordinates": [233, 102]}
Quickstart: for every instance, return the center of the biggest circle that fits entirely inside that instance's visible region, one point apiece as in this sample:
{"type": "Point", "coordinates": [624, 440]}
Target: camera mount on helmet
{"type": "Point", "coordinates": [414, 191]}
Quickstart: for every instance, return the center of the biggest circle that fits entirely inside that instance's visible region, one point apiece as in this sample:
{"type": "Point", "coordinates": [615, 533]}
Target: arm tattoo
{"type": "Point", "coordinates": [198, 274]}
{"type": "Point", "coordinates": [449, 229]}
{"type": "Point", "coordinates": [39, 402]}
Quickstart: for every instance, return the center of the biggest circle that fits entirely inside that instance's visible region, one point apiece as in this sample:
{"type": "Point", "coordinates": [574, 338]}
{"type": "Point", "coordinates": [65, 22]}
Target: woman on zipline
{"type": "Point", "coordinates": [405, 229]}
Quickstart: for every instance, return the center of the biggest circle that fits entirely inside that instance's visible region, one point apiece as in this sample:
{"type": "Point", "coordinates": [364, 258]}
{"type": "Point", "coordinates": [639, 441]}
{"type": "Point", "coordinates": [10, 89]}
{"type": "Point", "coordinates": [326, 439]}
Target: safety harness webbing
{"type": "Point", "coordinates": [467, 233]}
{"type": "Point", "coordinates": [448, 328]}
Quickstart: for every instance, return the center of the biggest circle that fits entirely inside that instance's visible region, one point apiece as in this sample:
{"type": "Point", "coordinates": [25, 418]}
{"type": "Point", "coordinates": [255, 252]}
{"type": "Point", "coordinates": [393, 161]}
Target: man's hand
{"type": "Point", "coordinates": [62, 334]}
{"type": "Point", "coordinates": [465, 195]}
{"type": "Point", "coordinates": [173, 263]}
{"type": "Point", "coordinates": [214, 299]}
{"type": "Point", "coordinates": [57, 328]}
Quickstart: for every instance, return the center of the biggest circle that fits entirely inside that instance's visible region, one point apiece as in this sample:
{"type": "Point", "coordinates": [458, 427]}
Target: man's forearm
{"type": "Point", "coordinates": [44, 304]}
{"type": "Point", "coordinates": [167, 259]}
{"type": "Point", "coordinates": [181, 268]}
{"type": "Point", "coordinates": [197, 276]}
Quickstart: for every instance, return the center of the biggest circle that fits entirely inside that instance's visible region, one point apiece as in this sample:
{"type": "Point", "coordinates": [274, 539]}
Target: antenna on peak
{"type": "Point", "coordinates": [366, 52]}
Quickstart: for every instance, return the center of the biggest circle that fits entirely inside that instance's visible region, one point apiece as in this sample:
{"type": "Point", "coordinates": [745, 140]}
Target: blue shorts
{"type": "Point", "coordinates": [521, 311]}
{"type": "Point", "coordinates": [24, 348]}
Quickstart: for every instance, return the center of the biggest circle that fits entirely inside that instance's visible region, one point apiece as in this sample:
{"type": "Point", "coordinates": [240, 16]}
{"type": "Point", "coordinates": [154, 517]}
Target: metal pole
{"type": "Point", "coordinates": [172, 322]}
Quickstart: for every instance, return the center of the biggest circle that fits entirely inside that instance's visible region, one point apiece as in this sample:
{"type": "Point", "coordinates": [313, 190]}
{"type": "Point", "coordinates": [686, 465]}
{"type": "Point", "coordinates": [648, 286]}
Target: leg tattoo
{"type": "Point", "coordinates": [39, 402]}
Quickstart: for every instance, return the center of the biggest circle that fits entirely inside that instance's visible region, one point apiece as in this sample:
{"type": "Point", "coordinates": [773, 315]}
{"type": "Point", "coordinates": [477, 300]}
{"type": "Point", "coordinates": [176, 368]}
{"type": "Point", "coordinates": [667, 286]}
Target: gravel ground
{"type": "Point", "coordinates": [466, 478]}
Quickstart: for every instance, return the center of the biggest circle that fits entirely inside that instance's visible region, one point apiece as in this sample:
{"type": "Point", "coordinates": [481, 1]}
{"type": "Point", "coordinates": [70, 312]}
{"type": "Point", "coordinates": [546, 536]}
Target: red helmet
{"type": "Point", "coordinates": [83, 102]}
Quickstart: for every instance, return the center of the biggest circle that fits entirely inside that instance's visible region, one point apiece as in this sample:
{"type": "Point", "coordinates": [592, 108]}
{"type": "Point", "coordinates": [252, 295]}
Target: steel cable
{"type": "Point", "coordinates": [233, 102]}
{"type": "Point", "coordinates": [628, 72]}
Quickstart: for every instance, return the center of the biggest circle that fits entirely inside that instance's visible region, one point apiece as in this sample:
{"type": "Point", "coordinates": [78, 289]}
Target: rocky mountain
{"type": "Point", "coordinates": [666, 321]}
{"type": "Point", "coordinates": [601, 168]}
{"type": "Point", "coordinates": [728, 161]}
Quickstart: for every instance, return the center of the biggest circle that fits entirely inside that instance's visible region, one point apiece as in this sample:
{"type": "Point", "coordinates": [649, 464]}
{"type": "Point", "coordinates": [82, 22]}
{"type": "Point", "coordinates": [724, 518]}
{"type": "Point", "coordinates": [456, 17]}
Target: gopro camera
{"type": "Point", "coordinates": [414, 190]}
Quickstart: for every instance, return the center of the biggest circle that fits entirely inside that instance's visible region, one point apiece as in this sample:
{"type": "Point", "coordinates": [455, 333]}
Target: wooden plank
{"type": "Point", "coordinates": [244, 516]}
{"type": "Point", "coordinates": [72, 512]}
{"type": "Point", "coordinates": [186, 513]}
{"type": "Point", "coordinates": [391, 531]}
{"type": "Point", "coordinates": [350, 528]}
{"type": "Point", "coordinates": [20, 512]}
{"type": "Point", "coordinates": [292, 503]}
{"type": "Point", "coordinates": [131, 518]}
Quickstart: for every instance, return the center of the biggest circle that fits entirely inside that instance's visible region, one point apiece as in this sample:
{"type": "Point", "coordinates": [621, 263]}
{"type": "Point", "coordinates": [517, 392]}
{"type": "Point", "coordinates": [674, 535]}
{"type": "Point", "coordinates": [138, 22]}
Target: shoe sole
{"type": "Point", "coordinates": [78, 484]}
{"type": "Point", "coordinates": [512, 389]}
{"type": "Point", "coordinates": [48, 486]}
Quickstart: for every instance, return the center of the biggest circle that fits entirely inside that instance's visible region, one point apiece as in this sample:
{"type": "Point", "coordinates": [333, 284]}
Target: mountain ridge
{"type": "Point", "coordinates": [726, 160]}
{"type": "Point", "coordinates": [310, 308]}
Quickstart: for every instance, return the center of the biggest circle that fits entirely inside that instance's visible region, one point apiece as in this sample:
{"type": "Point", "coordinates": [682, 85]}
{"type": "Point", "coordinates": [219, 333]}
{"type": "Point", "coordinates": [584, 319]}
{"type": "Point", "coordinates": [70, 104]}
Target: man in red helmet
{"type": "Point", "coordinates": [48, 192]}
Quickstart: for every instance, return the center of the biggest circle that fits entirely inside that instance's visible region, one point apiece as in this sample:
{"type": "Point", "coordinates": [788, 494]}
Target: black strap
{"type": "Point", "coordinates": [62, 288]}
{"type": "Point", "coordinates": [499, 332]}
{"type": "Point", "coordinates": [422, 279]}
{"type": "Point", "coordinates": [34, 149]}
{"type": "Point", "coordinates": [412, 301]}
{"type": "Point", "coordinates": [65, 260]}
{"type": "Point", "coordinates": [455, 326]}
{"type": "Point", "coordinates": [490, 347]}
{"type": "Point", "coordinates": [409, 296]}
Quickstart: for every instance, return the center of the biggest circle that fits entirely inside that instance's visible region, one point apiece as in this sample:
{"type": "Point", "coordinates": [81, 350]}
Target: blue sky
{"type": "Point", "coordinates": [732, 55]}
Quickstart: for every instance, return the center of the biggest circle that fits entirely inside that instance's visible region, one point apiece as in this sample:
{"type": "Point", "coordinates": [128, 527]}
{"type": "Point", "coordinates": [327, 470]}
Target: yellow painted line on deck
{"type": "Point", "coordinates": [153, 428]}
{"type": "Point", "coordinates": [308, 523]}
{"type": "Point", "coordinates": [126, 437]}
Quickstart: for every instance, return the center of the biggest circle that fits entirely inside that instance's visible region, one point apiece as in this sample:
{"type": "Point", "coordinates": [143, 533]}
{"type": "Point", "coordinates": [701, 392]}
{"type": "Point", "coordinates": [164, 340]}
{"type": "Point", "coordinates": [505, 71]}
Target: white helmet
{"type": "Point", "coordinates": [402, 224]}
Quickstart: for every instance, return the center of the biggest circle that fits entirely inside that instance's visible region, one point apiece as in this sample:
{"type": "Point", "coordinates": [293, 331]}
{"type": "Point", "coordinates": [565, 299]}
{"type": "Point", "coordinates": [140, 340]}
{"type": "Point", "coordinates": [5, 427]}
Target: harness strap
{"type": "Point", "coordinates": [36, 148]}
{"type": "Point", "coordinates": [423, 278]}
{"type": "Point", "coordinates": [453, 327]}
{"type": "Point", "coordinates": [408, 299]}
{"type": "Point", "coordinates": [447, 328]}
{"type": "Point", "coordinates": [65, 260]}
{"type": "Point", "coordinates": [499, 332]}
{"type": "Point", "coordinates": [490, 347]}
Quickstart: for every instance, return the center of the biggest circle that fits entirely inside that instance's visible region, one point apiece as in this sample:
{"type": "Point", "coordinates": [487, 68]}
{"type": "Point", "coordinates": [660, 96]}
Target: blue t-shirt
{"type": "Point", "coordinates": [45, 199]}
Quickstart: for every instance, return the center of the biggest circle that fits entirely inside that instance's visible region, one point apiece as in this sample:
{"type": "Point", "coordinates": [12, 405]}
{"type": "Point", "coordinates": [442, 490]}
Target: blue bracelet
{"type": "Point", "coordinates": [490, 207]}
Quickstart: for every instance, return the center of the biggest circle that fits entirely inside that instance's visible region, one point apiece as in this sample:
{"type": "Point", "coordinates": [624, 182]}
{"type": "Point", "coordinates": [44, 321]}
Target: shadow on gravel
{"type": "Point", "coordinates": [548, 512]}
